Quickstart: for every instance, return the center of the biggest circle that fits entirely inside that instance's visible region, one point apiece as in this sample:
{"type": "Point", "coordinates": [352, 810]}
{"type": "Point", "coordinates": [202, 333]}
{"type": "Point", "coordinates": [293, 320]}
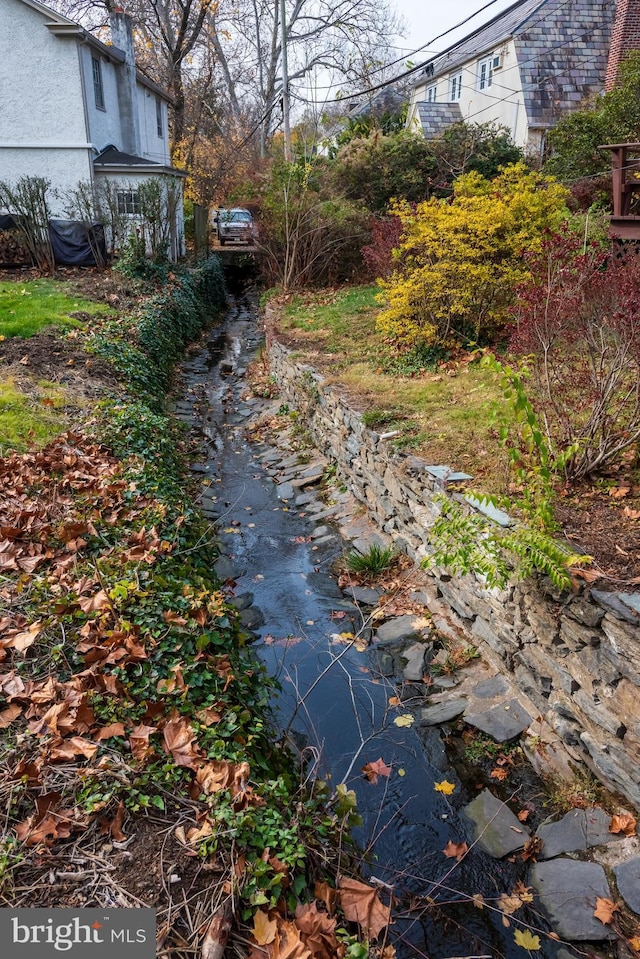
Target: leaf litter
{"type": "Point", "coordinates": [68, 513]}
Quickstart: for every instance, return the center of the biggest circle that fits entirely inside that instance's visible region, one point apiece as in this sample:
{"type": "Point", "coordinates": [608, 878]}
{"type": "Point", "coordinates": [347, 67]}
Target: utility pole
{"type": "Point", "coordinates": [285, 85]}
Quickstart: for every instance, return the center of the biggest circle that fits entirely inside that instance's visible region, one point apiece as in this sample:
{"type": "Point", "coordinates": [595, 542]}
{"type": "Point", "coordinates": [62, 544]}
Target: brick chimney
{"type": "Point", "coordinates": [625, 37]}
{"type": "Point", "coordinates": [122, 37]}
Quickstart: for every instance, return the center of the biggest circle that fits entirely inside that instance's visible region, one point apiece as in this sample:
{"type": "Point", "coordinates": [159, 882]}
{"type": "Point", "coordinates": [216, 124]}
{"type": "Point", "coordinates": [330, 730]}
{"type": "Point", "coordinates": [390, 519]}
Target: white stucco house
{"type": "Point", "coordinates": [74, 109]}
{"type": "Point", "coordinates": [524, 69]}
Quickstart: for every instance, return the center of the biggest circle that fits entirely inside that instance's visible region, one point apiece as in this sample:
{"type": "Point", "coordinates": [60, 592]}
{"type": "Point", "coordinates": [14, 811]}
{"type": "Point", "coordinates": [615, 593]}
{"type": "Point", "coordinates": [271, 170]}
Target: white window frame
{"type": "Point", "coordinates": [159, 118]}
{"type": "Point", "coordinates": [98, 84]}
{"type": "Point", "coordinates": [485, 72]}
{"type": "Point", "coordinates": [455, 87]}
{"type": "Point", "coordinates": [431, 93]}
{"type": "Point", "coordinates": [128, 202]}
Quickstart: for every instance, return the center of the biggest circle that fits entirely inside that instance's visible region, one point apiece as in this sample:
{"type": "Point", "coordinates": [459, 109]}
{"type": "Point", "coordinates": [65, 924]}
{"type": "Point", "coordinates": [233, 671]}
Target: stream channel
{"type": "Point", "coordinates": [333, 698]}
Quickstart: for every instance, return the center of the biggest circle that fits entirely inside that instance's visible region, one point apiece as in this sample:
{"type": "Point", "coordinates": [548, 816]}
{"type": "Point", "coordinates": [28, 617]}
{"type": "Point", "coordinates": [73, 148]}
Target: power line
{"type": "Point", "coordinates": [412, 70]}
{"type": "Point", "coordinates": [510, 90]}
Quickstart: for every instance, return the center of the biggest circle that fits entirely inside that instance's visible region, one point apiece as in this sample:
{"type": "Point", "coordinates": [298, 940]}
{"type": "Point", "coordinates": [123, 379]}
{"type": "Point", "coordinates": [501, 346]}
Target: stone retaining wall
{"type": "Point", "coordinates": [577, 657]}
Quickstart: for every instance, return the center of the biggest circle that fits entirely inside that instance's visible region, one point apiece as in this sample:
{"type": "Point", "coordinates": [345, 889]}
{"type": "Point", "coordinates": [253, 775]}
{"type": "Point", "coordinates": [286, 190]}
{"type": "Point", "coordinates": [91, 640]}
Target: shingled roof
{"type": "Point", "coordinates": [485, 38]}
{"type": "Point", "coordinates": [561, 50]}
{"type": "Point", "coordinates": [436, 117]}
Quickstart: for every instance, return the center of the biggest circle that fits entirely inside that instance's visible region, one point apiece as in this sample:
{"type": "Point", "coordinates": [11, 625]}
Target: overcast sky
{"type": "Point", "coordinates": [425, 19]}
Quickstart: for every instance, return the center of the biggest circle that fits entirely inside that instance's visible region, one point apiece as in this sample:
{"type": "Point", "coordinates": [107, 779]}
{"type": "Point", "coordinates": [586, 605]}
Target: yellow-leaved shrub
{"type": "Point", "coordinates": [460, 259]}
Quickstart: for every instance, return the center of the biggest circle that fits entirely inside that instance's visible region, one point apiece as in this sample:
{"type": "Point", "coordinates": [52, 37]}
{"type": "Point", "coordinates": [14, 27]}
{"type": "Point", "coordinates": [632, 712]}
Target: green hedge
{"type": "Point", "coordinates": [144, 348]}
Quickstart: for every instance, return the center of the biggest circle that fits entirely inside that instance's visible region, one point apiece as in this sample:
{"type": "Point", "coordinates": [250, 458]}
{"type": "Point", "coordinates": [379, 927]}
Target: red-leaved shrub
{"type": "Point", "coordinates": [385, 236]}
{"type": "Point", "coordinates": [578, 320]}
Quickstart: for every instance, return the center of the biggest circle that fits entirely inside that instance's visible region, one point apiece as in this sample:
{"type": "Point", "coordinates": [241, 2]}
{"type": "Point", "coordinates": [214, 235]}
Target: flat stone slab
{"type": "Point", "coordinates": [565, 835]}
{"type": "Point", "coordinates": [364, 543]}
{"type": "Point", "coordinates": [578, 830]}
{"type": "Point", "coordinates": [325, 540]}
{"type": "Point", "coordinates": [489, 510]}
{"type": "Point", "coordinates": [386, 664]}
{"type": "Point", "coordinates": [320, 531]}
{"type": "Point", "coordinates": [364, 594]}
{"type": "Point", "coordinates": [442, 683]}
{"type": "Point", "coordinates": [502, 722]}
{"type": "Point", "coordinates": [414, 657]}
{"type": "Point", "coordinates": [402, 627]}
{"type": "Point", "coordinates": [241, 601]}
{"type": "Point", "coordinates": [624, 605]}
{"type": "Point", "coordinates": [490, 688]}
{"type": "Point", "coordinates": [441, 712]}
{"type": "Point", "coordinates": [628, 879]}
{"type": "Point", "coordinates": [224, 568]}
{"type": "Point", "coordinates": [447, 474]}
{"type": "Point", "coordinates": [496, 829]}
{"type": "Point", "coordinates": [251, 617]}
{"type": "Point", "coordinates": [317, 469]}
{"type": "Point", "coordinates": [567, 891]}
{"type": "Point", "coordinates": [301, 481]}
{"type": "Point", "coordinates": [325, 513]}
{"type": "Point", "coordinates": [305, 498]}
{"type": "Point", "coordinates": [597, 823]}
{"type": "Point", "coordinates": [285, 491]}
{"type": "Point", "coordinates": [325, 585]}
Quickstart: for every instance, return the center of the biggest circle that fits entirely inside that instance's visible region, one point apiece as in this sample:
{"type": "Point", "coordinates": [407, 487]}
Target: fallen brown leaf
{"type": "Point", "coordinates": [509, 904]}
{"type": "Point", "coordinates": [624, 823]}
{"type": "Point", "coordinates": [326, 894]}
{"type": "Point", "coordinates": [604, 910]}
{"type": "Point", "coordinates": [90, 604]}
{"type": "Point", "coordinates": [139, 741]}
{"type": "Point", "coordinates": [499, 773]}
{"type": "Point", "coordinates": [9, 714]}
{"type": "Point", "coordinates": [619, 492]}
{"type": "Point", "coordinates": [176, 618]}
{"type": "Point", "coordinates": [360, 903]}
{"type": "Point", "coordinates": [289, 944]}
{"type": "Point", "coordinates": [106, 732]}
{"type": "Point", "coordinates": [531, 848]}
{"type": "Point", "coordinates": [215, 776]}
{"type": "Point", "coordinates": [455, 849]}
{"type": "Point", "coordinates": [375, 769]}
{"type": "Point", "coordinates": [178, 740]}
{"type": "Point", "coordinates": [317, 930]}
{"type": "Point", "coordinates": [264, 929]}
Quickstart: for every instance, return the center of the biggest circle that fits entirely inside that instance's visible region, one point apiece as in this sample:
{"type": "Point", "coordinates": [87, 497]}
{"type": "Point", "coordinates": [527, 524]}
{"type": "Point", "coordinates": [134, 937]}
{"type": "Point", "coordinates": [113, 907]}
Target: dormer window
{"type": "Point", "coordinates": [431, 93]}
{"type": "Point", "coordinates": [159, 119]}
{"type": "Point", "coordinates": [98, 89]}
{"type": "Point", "coordinates": [485, 72]}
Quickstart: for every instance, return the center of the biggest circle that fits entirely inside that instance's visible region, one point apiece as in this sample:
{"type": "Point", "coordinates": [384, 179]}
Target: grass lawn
{"type": "Point", "coordinates": [29, 306]}
{"type": "Point", "coordinates": [30, 408]}
{"type": "Point", "coordinates": [449, 414]}
{"type": "Point", "coordinates": [29, 418]}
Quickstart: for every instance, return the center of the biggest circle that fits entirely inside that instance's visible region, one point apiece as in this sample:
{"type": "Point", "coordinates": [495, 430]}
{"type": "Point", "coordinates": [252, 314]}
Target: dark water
{"type": "Point", "coordinates": [332, 699]}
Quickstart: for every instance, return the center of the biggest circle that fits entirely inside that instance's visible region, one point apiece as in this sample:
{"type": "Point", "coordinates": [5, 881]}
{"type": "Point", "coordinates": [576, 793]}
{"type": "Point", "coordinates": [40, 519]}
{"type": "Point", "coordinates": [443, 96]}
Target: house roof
{"type": "Point", "coordinates": [485, 38]}
{"type": "Point", "coordinates": [112, 160]}
{"type": "Point", "coordinates": [389, 99]}
{"type": "Point", "coordinates": [145, 81]}
{"type": "Point", "coordinates": [111, 156]}
{"type": "Point", "coordinates": [56, 18]}
{"type": "Point", "coordinates": [436, 117]}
